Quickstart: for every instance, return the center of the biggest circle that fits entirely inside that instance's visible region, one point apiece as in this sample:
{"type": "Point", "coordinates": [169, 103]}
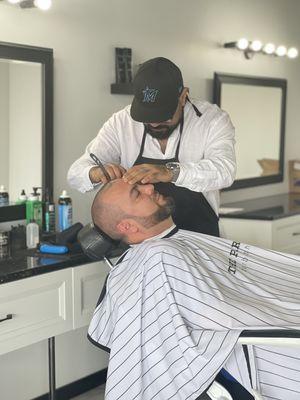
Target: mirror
{"type": "Point", "coordinates": [257, 109]}
{"type": "Point", "coordinates": [26, 123]}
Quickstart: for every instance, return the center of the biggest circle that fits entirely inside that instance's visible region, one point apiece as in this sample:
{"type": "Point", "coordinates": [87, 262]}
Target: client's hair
{"type": "Point", "coordinates": [106, 216]}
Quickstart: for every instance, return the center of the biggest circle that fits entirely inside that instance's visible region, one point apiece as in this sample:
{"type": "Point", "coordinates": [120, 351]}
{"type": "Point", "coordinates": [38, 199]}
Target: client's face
{"type": "Point", "coordinates": [141, 202]}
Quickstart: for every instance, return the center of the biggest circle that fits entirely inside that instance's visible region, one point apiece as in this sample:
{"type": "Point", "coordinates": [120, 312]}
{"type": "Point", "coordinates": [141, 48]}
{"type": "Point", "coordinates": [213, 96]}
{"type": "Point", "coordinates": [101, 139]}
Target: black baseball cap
{"type": "Point", "coordinates": [157, 86]}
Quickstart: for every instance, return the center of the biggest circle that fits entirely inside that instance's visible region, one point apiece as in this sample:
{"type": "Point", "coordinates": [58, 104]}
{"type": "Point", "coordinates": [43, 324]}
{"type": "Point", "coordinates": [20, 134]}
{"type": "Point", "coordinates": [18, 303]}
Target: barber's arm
{"type": "Point", "coordinates": [217, 169]}
{"type": "Point", "coordinates": [83, 175]}
{"type": "Point", "coordinates": [148, 173]}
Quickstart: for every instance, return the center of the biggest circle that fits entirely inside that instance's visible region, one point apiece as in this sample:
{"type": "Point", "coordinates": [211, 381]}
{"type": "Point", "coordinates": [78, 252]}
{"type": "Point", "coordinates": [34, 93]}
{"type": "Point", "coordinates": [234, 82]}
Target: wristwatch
{"type": "Point", "coordinates": [174, 167]}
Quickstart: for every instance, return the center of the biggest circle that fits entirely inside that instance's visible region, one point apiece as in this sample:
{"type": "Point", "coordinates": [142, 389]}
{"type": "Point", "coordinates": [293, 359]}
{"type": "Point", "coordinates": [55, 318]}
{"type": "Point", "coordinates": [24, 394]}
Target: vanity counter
{"type": "Point", "coordinates": [28, 263]}
{"type": "Point", "coordinates": [264, 208]}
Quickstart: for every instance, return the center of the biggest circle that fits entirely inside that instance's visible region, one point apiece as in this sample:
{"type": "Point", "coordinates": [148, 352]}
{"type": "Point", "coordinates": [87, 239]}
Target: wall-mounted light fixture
{"type": "Point", "coordinates": [250, 48]}
{"type": "Point", "coordinates": [41, 4]}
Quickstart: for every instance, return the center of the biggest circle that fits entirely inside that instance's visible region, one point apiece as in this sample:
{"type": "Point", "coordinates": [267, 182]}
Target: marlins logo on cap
{"type": "Point", "coordinates": [149, 95]}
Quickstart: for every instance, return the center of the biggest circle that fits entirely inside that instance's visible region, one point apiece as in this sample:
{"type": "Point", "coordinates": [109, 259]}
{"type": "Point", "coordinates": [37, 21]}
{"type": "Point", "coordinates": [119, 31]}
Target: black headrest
{"type": "Point", "coordinates": [95, 243]}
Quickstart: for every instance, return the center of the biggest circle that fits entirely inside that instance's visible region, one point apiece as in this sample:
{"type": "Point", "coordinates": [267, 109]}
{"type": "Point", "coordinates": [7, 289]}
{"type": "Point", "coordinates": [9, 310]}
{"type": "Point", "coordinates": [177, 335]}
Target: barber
{"type": "Point", "coordinates": [186, 149]}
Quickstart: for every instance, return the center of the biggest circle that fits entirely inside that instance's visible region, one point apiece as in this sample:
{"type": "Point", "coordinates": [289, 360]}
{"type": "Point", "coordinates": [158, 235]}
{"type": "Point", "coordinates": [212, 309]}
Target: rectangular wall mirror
{"type": "Point", "coordinates": [257, 109]}
{"type": "Point", "coordinates": [26, 123]}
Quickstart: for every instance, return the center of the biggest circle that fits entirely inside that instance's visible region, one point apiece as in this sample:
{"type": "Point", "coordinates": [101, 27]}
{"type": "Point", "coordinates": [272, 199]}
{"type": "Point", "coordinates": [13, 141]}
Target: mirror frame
{"type": "Point", "coordinates": [219, 79]}
{"type": "Point", "coordinates": [43, 56]}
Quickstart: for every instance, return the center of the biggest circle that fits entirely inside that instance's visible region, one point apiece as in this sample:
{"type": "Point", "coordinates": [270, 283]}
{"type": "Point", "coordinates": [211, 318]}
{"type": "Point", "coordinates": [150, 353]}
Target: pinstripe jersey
{"type": "Point", "coordinates": [173, 309]}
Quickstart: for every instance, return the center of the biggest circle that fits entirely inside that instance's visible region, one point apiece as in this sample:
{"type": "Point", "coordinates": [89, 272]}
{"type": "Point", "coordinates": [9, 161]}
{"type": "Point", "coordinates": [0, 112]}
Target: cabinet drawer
{"type": "Point", "coordinates": [88, 281]}
{"type": "Point", "coordinates": [41, 307]}
{"type": "Point", "coordinates": [286, 236]}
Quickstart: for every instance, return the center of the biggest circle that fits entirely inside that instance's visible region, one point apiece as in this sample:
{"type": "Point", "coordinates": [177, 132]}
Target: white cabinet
{"type": "Point", "coordinates": [88, 281]}
{"type": "Point", "coordinates": [49, 304]}
{"type": "Point", "coordinates": [281, 234]}
{"type": "Point", "coordinates": [41, 307]}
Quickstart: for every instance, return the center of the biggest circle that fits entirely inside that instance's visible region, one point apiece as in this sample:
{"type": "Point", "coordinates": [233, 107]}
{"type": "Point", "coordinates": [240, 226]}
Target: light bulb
{"type": "Point", "coordinates": [14, 1]}
{"type": "Point", "coordinates": [256, 45]}
{"type": "Point", "coordinates": [281, 51]}
{"type": "Point", "coordinates": [43, 4]}
{"type": "Point", "coordinates": [242, 44]}
{"type": "Point", "coordinates": [292, 52]}
{"type": "Point", "coordinates": [269, 48]}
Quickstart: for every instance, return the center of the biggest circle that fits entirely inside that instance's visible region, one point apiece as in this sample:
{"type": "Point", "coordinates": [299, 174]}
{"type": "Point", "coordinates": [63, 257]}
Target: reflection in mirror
{"type": "Point", "coordinates": [26, 123]}
{"type": "Point", "coordinates": [257, 108]}
{"type": "Point", "coordinates": [20, 126]}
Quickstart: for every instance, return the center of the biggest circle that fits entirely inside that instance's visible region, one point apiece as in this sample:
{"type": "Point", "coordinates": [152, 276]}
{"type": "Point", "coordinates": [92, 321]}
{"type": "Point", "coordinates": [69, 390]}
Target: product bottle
{"type": "Point", "coordinates": [34, 208]}
{"type": "Point", "coordinates": [64, 211]}
{"type": "Point", "coordinates": [49, 214]}
{"type": "Point", "coordinates": [4, 199]}
{"type": "Point", "coordinates": [22, 198]}
{"type": "Point", "coordinates": [32, 234]}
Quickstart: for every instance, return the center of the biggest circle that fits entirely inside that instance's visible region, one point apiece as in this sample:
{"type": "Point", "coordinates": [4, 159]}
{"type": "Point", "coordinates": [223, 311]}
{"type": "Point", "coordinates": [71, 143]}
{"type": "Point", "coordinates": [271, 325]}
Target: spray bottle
{"type": "Point", "coordinates": [64, 211]}
{"type": "Point", "coordinates": [32, 234]}
{"type": "Point", "coordinates": [22, 198]}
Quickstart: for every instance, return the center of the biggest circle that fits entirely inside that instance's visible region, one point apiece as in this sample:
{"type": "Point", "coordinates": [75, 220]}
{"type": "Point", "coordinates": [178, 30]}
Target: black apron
{"type": "Point", "coordinates": [192, 211]}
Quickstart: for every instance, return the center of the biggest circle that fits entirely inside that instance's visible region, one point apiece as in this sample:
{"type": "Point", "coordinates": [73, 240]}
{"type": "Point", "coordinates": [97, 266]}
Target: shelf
{"type": "Point", "coordinates": [121, 88]}
{"type": "Point", "coordinates": [12, 212]}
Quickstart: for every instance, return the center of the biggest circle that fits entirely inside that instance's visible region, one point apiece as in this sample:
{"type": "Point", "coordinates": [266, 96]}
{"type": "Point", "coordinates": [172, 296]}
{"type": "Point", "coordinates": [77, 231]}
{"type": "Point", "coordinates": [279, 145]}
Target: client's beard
{"type": "Point", "coordinates": [159, 215]}
{"type": "Point", "coordinates": [164, 134]}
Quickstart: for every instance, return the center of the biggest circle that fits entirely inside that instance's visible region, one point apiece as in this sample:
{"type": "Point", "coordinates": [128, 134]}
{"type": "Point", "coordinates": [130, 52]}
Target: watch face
{"type": "Point", "coordinates": [172, 165]}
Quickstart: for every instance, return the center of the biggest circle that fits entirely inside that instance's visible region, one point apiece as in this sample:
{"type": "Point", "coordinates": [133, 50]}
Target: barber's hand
{"type": "Point", "coordinates": [147, 173]}
{"type": "Point", "coordinates": [114, 171]}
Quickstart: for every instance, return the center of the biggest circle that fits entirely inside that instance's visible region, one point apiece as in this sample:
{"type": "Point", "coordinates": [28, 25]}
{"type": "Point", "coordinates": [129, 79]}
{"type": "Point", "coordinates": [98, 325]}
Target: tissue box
{"type": "Point", "coordinates": [294, 176]}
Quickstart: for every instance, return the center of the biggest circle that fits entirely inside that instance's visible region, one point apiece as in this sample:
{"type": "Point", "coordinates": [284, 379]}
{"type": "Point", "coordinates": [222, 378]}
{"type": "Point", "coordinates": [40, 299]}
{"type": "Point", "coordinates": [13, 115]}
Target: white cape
{"type": "Point", "coordinates": [173, 310]}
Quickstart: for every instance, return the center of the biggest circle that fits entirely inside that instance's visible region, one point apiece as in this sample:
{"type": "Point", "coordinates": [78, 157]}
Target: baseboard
{"type": "Point", "coordinates": [78, 387]}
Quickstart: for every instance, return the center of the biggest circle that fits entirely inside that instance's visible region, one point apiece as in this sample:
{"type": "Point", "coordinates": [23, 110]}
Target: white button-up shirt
{"type": "Point", "coordinates": [206, 154]}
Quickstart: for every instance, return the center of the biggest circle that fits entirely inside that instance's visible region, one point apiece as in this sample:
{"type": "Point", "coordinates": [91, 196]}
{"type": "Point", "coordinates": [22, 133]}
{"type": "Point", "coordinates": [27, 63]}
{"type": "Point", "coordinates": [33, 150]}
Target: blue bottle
{"type": "Point", "coordinates": [65, 213]}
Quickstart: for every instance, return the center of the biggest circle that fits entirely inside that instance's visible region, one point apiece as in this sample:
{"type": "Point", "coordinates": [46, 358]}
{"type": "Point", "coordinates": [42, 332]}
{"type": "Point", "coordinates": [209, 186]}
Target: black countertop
{"type": "Point", "coordinates": [27, 263]}
{"type": "Point", "coordinates": [264, 208]}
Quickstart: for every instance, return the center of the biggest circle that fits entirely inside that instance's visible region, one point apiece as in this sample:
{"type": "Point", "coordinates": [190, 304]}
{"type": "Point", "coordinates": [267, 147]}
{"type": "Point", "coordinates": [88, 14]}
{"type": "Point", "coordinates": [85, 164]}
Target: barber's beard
{"type": "Point", "coordinates": [162, 213]}
{"type": "Point", "coordinates": [161, 131]}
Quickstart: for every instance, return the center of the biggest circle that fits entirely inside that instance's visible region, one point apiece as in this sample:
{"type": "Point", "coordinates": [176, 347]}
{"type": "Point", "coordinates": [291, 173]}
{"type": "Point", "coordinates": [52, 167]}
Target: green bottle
{"type": "Point", "coordinates": [34, 208]}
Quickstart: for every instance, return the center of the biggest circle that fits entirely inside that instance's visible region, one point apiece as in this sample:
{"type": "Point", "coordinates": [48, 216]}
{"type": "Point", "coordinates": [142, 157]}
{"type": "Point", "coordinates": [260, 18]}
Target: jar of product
{"type": "Point", "coordinates": [4, 199]}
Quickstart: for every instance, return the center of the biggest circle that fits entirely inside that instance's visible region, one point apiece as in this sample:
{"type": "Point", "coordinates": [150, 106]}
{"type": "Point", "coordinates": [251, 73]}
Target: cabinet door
{"type": "Point", "coordinates": [255, 232]}
{"type": "Point", "coordinates": [41, 307]}
{"type": "Point", "coordinates": [88, 281]}
{"type": "Point", "coordinates": [286, 235]}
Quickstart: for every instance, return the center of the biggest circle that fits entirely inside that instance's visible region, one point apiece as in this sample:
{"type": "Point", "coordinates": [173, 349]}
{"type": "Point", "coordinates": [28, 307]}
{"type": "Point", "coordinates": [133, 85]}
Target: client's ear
{"type": "Point", "coordinates": [127, 226]}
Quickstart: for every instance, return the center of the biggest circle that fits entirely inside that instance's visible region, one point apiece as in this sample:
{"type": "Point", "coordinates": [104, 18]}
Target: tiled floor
{"type": "Point", "coordinates": [95, 394]}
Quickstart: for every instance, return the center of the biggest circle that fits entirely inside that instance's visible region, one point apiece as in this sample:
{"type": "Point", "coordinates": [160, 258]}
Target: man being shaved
{"type": "Point", "coordinates": [174, 306]}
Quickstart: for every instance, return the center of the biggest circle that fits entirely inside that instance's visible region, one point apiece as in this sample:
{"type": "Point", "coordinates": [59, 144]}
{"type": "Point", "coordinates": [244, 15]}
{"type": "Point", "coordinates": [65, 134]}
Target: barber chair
{"type": "Point", "coordinates": [98, 246]}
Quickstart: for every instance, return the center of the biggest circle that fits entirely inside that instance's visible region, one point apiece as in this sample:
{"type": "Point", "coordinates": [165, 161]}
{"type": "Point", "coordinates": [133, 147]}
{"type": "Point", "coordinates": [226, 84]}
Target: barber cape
{"type": "Point", "coordinates": [172, 310]}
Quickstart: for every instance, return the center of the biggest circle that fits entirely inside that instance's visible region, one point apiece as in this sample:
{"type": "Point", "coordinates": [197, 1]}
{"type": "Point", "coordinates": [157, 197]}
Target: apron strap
{"type": "Point", "coordinates": [198, 113]}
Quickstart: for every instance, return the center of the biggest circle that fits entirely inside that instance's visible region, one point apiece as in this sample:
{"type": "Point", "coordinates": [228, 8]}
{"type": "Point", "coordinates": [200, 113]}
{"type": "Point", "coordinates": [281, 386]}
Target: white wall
{"type": "Point", "coordinates": [4, 123]}
{"type": "Point", "coordinates": [83, 34]}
